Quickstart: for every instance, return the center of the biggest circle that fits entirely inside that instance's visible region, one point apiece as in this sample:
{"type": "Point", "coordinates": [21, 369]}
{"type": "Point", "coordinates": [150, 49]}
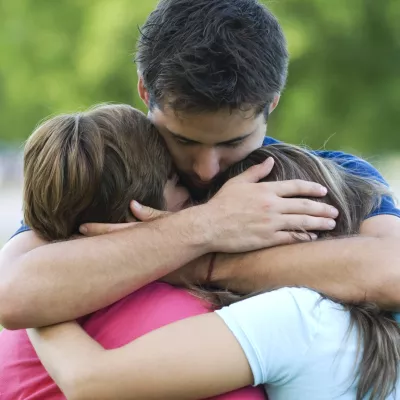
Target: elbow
{"type": "Point", "coordinates": [79, 384]}
{"type": "Point", "coordinates": [8, 310]}
{"type": "Point", "coordinates": [74, 392]}
{"type": "Point", "coordinates": [385, 288]}
{"type": "Point", "coordinates": [80, 391]}
{"type": "Point", "coordinates": [387, 294]}
{"type": "Point", "coordinates": [12, 313]}
{"type": "Point", "coordinates": [71, 385]}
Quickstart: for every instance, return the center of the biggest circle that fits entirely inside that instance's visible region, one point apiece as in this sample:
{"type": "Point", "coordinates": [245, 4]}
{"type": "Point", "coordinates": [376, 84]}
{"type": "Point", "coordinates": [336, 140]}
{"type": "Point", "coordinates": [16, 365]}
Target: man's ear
{"type": "Point", "coordinates": [143, 93]}
{"type": "Point", "coordinates": [274, 103]}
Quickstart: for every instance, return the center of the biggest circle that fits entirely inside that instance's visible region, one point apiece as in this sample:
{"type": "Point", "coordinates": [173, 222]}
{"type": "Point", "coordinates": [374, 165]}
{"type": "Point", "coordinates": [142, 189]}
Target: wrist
{"type": "Point", "coordinates": [199, 269]}
{"type": "Point", "coordinates": [240, 272]}
{"type": "Point", "coordinates": [223, 268]}
{"type": "Point", "coordinates": [210, 269]}
{"type": "Point", "coordinates": [193, 224]}
{"type": "Point", "coordinates": [195, 272]}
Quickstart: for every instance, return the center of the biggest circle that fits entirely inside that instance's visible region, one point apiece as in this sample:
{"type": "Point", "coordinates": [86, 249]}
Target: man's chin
{"type": "Point", "coordinates": [198, 193]}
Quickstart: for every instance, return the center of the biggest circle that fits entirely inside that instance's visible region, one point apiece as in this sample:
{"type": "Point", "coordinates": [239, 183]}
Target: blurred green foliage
{"type": "Point", "coordinates": [344, 77]}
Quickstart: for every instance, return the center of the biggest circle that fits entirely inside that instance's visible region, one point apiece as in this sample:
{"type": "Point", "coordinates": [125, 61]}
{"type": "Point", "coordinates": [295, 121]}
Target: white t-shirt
{"type": "Point", "coordinates": [297, 343]}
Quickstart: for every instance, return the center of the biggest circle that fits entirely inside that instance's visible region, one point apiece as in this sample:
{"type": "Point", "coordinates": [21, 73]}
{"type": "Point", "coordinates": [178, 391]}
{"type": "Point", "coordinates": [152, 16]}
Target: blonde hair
{"type": "Point", "coordinates": [356, 198]}
{"type": "Point", "coordinates": [87, 167]}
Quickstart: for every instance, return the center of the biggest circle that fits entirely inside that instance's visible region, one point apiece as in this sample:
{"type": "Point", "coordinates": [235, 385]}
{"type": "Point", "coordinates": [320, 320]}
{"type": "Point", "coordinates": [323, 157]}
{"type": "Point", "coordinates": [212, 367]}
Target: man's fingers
{"type": "Point", "coordinates": [307, 207]}
{"type": "Point", "coordinates": [256, 172]}
{"type": "Point", "coordinates": [142, 213]}
{"type": "Point", "coordinates": [297, 187]}
{"type": "Point", "coordinates": [96, 229]}
{"type": "Point", "coordinates": [307, 223]}
{"type": "Point", "coordinates": [146, 214]}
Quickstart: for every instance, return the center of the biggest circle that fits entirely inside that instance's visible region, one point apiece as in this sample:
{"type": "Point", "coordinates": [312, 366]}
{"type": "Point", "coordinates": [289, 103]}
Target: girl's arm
{"type": "Point", "coordinates": [191, 359]}
{"type": "Point", "coordinates": [263, 339]}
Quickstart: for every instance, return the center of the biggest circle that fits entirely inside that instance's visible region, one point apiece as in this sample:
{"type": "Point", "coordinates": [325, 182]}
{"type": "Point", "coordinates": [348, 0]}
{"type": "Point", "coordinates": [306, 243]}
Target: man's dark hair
{"type": "Point", "coordinates": [204, 55]}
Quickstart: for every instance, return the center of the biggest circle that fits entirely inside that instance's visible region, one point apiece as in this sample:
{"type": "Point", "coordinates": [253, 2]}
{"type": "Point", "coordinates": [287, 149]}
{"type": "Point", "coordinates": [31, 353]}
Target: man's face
{"type": "Point", "coordinates": [206, 144]}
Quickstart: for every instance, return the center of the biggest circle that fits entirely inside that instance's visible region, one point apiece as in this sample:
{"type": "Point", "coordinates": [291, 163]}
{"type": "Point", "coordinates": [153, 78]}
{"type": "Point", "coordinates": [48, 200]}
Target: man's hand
{"type": "Point", "coordinates": [141, 213]}
{"type": "Point", "coordinates": [246, 215]}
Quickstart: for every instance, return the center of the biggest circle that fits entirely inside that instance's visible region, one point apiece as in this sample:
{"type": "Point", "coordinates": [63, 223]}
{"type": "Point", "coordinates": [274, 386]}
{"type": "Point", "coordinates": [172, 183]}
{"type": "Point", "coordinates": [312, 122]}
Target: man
{"type": "Point", "coordinates": [210, 72]}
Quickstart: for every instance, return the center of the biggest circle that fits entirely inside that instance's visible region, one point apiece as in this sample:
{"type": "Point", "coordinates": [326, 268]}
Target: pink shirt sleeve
{"type": "Point", "coordinates": [147, 309]}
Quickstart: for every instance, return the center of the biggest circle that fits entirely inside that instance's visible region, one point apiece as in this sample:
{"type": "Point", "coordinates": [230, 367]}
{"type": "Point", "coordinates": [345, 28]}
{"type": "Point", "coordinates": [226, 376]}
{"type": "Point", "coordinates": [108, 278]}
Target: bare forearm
{"type": "Point", "coordinates": [63, 281]}
{"type": "Point", "coordinates": [201, 359]}
{"type": "Point", "coordinates": [65, 352]}
{"type": "Point", "coordinates": [350, 269]}
{"type": "Point", "coordinates": [45, 284]}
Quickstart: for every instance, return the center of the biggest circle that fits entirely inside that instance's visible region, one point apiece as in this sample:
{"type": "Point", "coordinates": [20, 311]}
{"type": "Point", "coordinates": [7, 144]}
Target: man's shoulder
{"type": "Point", "coordinates": [354, 164]}
{"type": "Point", "coordinates": [269, 140]}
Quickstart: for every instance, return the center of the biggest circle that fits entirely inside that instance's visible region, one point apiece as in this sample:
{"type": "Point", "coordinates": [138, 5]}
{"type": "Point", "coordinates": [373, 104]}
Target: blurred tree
{"type": "Point", "coordinates": [344, 82]}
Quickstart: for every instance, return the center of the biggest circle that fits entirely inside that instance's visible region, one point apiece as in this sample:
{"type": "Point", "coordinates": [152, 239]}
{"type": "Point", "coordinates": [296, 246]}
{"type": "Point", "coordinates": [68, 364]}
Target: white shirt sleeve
{"type": "Point", "coordinates": [275, 330]}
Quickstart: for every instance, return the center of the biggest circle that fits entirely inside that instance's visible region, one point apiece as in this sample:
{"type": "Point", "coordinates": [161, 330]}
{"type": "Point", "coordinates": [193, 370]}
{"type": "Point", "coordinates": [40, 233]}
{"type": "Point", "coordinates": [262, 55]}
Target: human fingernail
{"type": "Point", "coordinates": [268, 160]}
{"type": "Point", "coordinates": [332, 223]}
{"type": "Point", "coordinates": [334, 212]}
{"type": "Point", "coordinates": [136, 205]}
{"type": "Point", "coordinates": [313, 236]}
{"type": "Point", "coordinates": [324, 190]}
{"type": "Point", "coordinates": [83, 229]}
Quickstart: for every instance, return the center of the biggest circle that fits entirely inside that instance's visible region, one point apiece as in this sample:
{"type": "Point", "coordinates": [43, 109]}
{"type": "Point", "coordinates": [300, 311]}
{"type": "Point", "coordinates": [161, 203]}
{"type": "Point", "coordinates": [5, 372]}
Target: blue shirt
{"type": "Point", "coordinates": [297, 344]}
{"type": "Point", "coordinates": [353, 164]}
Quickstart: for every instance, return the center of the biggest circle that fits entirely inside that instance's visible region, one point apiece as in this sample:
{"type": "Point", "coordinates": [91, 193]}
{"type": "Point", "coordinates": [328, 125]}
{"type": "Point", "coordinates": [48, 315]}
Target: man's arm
{"type": "Point", "coordinates": [360, 268]}
{"type": "Point", "coordinates": [42, 284]}
{"type": "Point", "coordinates": [366, 267]}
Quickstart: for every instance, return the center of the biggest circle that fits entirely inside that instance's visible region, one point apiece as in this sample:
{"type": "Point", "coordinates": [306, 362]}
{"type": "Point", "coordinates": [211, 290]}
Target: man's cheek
{"type": "Point", "coordinates": [181, 158]}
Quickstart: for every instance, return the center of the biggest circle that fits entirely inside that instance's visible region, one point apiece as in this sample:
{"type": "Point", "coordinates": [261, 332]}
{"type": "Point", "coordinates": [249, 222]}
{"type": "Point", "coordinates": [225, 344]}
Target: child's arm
{"type": "Point", "coordinates": [165, 364]}
{"type": "Point", "coordinates": [259, 340]}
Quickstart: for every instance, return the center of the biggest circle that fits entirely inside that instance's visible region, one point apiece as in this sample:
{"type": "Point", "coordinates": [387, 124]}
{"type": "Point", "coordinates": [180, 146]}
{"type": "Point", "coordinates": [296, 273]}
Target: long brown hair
{"type": "Point", "coordinates": [87, 167]}
{"type": "Point", "coordinates": [355, 197]}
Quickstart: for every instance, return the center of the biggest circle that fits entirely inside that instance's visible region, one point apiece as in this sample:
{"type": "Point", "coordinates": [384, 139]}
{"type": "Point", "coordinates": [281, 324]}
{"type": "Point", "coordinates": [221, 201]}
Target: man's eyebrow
{"type": "Point", "coordinates": [226, 142]}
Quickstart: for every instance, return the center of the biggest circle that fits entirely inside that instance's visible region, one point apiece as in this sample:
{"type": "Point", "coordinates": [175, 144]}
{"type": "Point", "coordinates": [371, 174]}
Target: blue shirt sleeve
{"type": "Point", "coordinates": [22, 228]}
{"type": "Point", "coordinates": [362, 168]}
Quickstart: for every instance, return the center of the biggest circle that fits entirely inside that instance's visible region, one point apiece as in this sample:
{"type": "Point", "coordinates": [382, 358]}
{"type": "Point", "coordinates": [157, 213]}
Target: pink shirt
{"type": "Point", "coordinates": [22, 376]}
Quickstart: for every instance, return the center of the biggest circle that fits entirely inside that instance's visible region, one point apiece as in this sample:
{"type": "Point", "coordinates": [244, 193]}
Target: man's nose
{"type": "Point", "coordinates": [206, 165]}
